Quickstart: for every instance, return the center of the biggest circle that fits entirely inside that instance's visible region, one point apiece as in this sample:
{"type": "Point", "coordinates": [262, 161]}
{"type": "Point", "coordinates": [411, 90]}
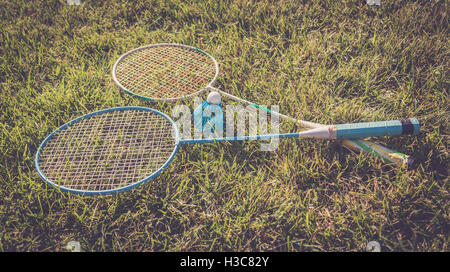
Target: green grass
{"type": "Point", "coordinates": [325, 61]}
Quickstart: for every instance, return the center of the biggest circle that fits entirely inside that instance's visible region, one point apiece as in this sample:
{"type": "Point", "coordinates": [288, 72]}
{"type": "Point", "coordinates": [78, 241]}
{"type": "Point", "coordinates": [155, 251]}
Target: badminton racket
{"type": "Point", "coordinates": [169, 72]}
{"type": "Point", "coordinates": [117, 149]}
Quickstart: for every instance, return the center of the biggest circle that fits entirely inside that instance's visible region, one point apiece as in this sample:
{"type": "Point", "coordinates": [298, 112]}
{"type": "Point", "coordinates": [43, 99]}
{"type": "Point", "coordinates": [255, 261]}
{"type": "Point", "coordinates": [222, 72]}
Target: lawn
{"type": "Point", "coordinates": [322, 61]}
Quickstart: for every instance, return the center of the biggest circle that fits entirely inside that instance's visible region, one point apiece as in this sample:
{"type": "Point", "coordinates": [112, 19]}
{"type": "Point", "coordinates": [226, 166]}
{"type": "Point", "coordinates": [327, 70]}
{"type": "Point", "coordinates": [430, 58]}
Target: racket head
{"type": "Point", "coordinates": [165, 71]}
{"type": "Point", "coordinates": [108, 151]}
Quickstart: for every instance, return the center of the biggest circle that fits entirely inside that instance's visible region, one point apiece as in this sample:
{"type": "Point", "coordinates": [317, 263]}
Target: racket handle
{"type": "Point", "coordinates": [409, 126]}
{"type": "Point", "coordinates": [363, 130]}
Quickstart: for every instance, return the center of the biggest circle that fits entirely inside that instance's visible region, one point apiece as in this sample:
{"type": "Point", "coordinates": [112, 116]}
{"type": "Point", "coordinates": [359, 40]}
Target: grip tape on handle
{"type": "Point", "coordinates": [409, 126]}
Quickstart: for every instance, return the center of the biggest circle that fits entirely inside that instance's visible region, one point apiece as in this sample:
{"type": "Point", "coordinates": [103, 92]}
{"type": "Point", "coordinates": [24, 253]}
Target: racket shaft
{"type": "Point", "coordinates": [240, 138]}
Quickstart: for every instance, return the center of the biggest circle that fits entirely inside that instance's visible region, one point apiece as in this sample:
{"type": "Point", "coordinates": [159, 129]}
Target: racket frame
{"type": "Point", "coordinates": [211, 83]}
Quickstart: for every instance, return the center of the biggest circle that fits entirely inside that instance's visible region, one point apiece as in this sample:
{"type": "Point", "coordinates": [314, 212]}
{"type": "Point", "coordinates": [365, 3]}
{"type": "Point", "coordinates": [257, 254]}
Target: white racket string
{"type": "Point", "coordinates": [162, 72]}
{"type": "Point", "coordinates": [107, 151]}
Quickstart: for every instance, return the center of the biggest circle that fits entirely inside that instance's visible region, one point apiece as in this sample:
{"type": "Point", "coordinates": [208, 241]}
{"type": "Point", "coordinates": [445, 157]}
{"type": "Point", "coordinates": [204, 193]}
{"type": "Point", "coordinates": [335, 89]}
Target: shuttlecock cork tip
{"type": "Point", "coordinates": [214, 98]}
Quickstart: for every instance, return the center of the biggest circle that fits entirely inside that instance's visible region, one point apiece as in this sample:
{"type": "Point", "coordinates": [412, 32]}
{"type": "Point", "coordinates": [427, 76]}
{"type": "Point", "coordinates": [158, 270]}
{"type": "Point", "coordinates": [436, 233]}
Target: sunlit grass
{"type": "Point", "coordinates": [325, 61]}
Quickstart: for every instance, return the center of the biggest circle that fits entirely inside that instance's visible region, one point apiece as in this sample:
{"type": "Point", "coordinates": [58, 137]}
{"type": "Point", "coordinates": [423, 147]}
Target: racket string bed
{"type": "Point", "coordinates": [107, 151]}
{"type": "Point", "coordinates": [181, 72]}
